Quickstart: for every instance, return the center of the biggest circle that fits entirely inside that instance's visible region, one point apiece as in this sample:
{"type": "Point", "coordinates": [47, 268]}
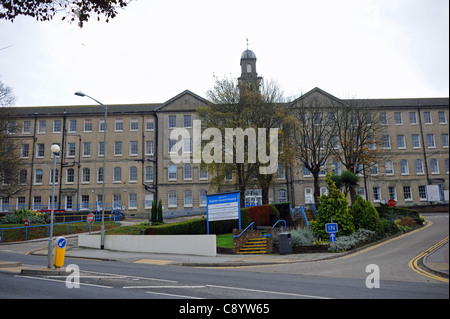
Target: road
{"type": "Point", "coordinates": [341, 278]}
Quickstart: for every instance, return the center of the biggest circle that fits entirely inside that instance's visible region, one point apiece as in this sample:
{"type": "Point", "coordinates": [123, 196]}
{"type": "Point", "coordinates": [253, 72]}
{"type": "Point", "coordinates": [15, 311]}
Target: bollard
{"type": "Point", "coordinates": [60, 251]}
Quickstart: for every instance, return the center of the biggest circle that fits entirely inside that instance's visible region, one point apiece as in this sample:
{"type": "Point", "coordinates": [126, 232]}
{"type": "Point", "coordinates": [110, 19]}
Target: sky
{"type": "Point", "coordinates": [156, 49]}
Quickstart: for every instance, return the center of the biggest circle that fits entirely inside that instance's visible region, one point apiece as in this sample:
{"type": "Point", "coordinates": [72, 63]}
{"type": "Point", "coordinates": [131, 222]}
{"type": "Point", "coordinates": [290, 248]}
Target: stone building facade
{"type": "Point", "coordinates": [139, 167]}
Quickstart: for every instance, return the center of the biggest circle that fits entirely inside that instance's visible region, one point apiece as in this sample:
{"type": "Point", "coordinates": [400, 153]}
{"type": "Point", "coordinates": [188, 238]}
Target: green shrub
{"type": "Point", "coordinates": [19, 216]}
{"type": "Point", "coordinates": [193, 226]}
{"type": "Point", "coordinates": [274, 215]}
{"type": "Point", "coordinates": [299, 236]}
{"type": "Point", "coordinates": [366, 216]}
{"type": "Point", "coordinates": [357, 239]}
{"type": "Point", "coordinates": [389, 226]}
{"type": "Point", "coordinates": [334, 206]}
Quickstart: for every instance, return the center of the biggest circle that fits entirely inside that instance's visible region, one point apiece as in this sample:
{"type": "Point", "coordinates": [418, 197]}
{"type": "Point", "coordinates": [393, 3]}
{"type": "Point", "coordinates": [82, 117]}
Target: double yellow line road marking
{"type": "Point", "coordinates": [414, 263]}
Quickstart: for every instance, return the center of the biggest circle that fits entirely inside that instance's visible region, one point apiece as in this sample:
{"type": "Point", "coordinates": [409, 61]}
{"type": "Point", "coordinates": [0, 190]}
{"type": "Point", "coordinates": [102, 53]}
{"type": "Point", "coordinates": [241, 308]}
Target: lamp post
{"type": "Point", "coordinates": [54, 149]}
{"type": "Point", "coordinates": [102, 242]}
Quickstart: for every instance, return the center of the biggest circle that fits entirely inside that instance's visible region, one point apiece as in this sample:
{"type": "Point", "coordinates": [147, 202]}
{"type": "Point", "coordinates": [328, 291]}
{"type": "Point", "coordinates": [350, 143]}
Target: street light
{"type": "Point", "coordinates": [102, 242]}
{"type": "Point", "coordinates": [55, 150]}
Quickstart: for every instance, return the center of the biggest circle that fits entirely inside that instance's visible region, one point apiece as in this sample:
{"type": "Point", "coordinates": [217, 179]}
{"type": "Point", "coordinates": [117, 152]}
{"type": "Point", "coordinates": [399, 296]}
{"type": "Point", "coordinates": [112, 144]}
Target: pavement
{"type": "Point", "coordinates": [436, 261]}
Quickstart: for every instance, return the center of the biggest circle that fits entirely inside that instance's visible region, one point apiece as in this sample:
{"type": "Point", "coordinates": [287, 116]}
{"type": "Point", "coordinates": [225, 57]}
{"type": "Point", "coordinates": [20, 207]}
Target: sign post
{"type": "Point", "coordinates": [223, 206]}
{"type": "Point", "coordinates": [332, 229]}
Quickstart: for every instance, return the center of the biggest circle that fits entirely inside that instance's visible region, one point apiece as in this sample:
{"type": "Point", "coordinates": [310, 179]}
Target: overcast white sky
{"type": "Point", "coordinates": [156, 49]}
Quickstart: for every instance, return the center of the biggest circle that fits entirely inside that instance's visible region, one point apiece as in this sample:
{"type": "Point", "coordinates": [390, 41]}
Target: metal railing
{"type": "Point", "coordinates": [251, 224]}
{"type": "Point", "coordinates": [62, 208]}
{"type": "Point", "coordinates": [113, 218]}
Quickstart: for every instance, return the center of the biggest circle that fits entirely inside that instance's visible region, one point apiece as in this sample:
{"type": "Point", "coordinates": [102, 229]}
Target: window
{"type": "Point", "coordinates": [26, 127]}
{"type": "Point", "coordinates": [51, 176]}
{"type": "Point", "coordinates": [132, 201]}
{"type": "Point", "coordinates": [72, 126]}
{"type": "Point", "coordinates": [374, 170]}
{"type": "Point", "coordinates": [427, 118]}
{"type": "Point", "coordinates": [446, 165]}
{"type": "Point", "coordinates": [383, 118]}
{"type": "Point", "coordinates": [134, 151]}
{"type": "Point", "coordinates": [70, 175]}
{"type": "Point", "coordinates": [38, 175]}
{"type": "Point", "coordinates": [280, 171]}
{"type": "Point", "coordinates": [187, 145]}
{"type": "Point", "coordinates": [419, 166]}
{"type": "Point", "coordinates": [101, 125]}
{"type": "Point", "coordinates": [442, 117]}
{"type": "Point", "coordinates": [401, 141]}
{"type": "Point", "coordinates": [172, 199]}
{"type": "Point", "coordinates": [117, 175]}
{"type": "Point", "coordinates": [389, 168]}
{"type": "Point", "coordinates": [172, 121]}
{"type": "Point", "coordinates": [56, 126]}
{"type": "Point", "coordinates": [392, 193]}
{"type": "Point", "coordinates": [430, 141]}
{"type": "Point", "coordinates": [148, 147]}
{"type": "Point", "coordinates": [40, 151]}
{"type": "Point", "coordinates": [134, 124]}
{"type": "Point", "coordinates": [24, 150]}
{"type": "Point", "coordinates": [37, 202]}
{"type": "Point", "coordinates": [187, 121]}
{"type": "Point", "coordinates": [86, 149]}
{"type": "Point", "coordinates": [172, 172]}
{"type": "Point", "coordinates": [188, 171]}
{"type": "Point", "coordinates": [172, 144]}
{"type": "Point", "coordinates": [398, 118]}
{"type": "Point", "coordinates": [117, 148]}
{"type": "Point", "coordinates": [69, 202]}
{"type": "Point", "coordinates": [317, 117]}
{"type": "Point", "coordinates": [404, 169]}
{"type": "Point", "coordinates": [21, 202]}
{"type": "Point", "coordinates": [101, 148]}
{"type": "Point", "coordinates": [306, 172]}
{"type": "Point", "coordinates": [71, 149]}
{"type": "Point", "coordinates": [412, 118]}
{"type": "Point", "coordinates": [434, 166]}
{"type": "Point", "coordinates": [407, 193]}
{"type": "Point", "coordinates": [188, 198]}
{"type": "Point", "coordinates": [249, 68]}
{"type": "Point", "coordinates": [203, 173]}
{"type": "Point", "coordinates": [444, 140]}
{"type": "Point", "coordinates": [415, 141]}
{"type": "Point", "coordinates": [86, 175]}
{"type": "Point", "coordinates": [149, 124]}
{"type": "Point", "coordinates": [84, 201]}
{"type": "Point", "coordinates": [282, 198]}
{"type": "Point", "coordinates": [118, 125]}
{"type": "Point", "coordinates": [149, 174]}
{"type": "Point", "coordinates": [148, 198]}
{"type": "Point", "coordinates": [23, 174]}
{"type": "Point", "coordinates": [42, 126]}
{"type": "Point", "coordinates": [386, 141]}
{"type": "Point", "coordinates": [422, 192]}
{"type": "Point", "coordinates": [100, 175]}
{"type": "Point", "coordinates": [309, 198]}
{"type": "Point", "coordinates": [203, 197]}
{"type": "Point", "coordinates": [88, 125]}
{"type": "Point", "coordinates": [133, 174]}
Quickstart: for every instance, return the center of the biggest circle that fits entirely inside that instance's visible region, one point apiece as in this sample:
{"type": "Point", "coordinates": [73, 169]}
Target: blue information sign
{"type": "Point", "coordinates": [331, 227]}
{"type": "Point", "coordinates": [332, 237]}
{"type": "Point", "coordinates": [61, 242]}
{"type": "Point", "coordinates": [223, 206]}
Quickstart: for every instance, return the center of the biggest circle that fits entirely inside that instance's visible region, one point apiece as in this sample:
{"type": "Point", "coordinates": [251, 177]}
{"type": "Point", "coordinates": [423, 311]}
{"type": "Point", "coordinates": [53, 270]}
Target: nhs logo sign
{"type": "Point", "coordinates": [331, 227]}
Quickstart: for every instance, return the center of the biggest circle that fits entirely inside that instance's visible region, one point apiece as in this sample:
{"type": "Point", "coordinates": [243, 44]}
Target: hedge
{"type": "Point", "coordinates": [285, 212]}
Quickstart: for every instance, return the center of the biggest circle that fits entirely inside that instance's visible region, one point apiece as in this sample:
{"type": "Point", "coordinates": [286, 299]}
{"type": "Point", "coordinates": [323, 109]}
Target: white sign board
{"type": "Point", "coordinates": [223, 207]}
{"type": "Point", "coordinates": [433, 193]}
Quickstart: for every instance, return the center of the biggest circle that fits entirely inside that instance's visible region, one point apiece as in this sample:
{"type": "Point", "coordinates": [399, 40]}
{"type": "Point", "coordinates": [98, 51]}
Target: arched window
{"type": "Point", "coordinates": [282, 196]}
{"type": "Point", "coordinates": [133, 174]}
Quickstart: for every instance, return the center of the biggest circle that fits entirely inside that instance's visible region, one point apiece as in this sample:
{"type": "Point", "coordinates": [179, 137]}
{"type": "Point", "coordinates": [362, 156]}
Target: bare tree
{"type": "Point", "coordinates": [314, 135]}
{"type": "Point", "coordinates": [10, 163]}
{"type": "Point", "coordinates": [359, 138]}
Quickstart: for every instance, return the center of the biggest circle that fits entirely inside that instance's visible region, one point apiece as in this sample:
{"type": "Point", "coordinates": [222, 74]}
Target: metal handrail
{"type": "Point", "coordinates": [304, 216]}
{"type": "Point", "coordinates": [280, 220]}
{"type": "Point", "coordinates": [251, 224]}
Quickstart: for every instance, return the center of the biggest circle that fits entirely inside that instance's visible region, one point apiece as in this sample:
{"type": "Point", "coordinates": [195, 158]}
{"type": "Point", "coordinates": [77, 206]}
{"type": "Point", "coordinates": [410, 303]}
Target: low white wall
{"type": "Point", "coordinates": [202, 245]}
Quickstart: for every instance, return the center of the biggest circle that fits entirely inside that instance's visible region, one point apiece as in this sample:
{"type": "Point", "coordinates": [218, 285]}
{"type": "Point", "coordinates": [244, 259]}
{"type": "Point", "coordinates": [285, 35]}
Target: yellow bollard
{"type": "Point", "coordinates": [60, 250]}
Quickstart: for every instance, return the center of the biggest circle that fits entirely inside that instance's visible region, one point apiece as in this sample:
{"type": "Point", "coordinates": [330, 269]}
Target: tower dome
{"type": "Point", "coordinates": [248, 54]}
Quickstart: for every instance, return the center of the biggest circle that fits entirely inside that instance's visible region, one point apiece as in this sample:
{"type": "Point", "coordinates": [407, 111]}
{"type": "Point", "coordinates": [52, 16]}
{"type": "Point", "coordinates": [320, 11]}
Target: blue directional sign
{"type": "Point", "coordinates": [61, 242]}
{"type": "Point", "coordinates": [332, 237]}
{"type": "Point", "coordinates": [331, 227]}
